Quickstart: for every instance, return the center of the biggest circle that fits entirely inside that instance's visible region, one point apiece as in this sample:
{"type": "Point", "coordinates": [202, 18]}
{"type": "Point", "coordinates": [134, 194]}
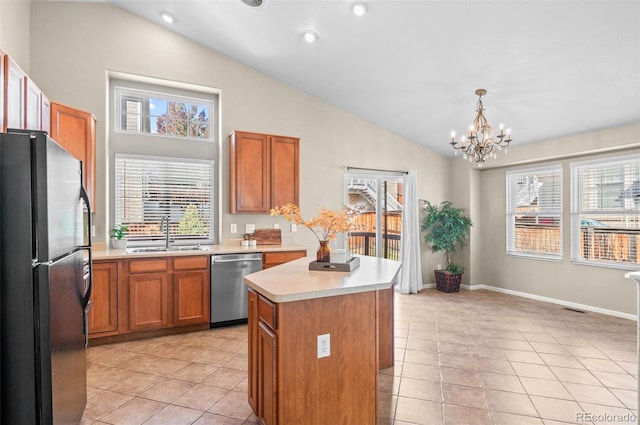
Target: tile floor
{"type": "Point", "coordinates": [476, 357]}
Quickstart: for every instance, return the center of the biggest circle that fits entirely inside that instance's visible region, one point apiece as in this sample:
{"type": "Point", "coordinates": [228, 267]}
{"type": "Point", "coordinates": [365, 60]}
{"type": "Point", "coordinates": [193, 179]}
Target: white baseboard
{"type": "Point", "coordinates": [569, 304]}
{"type": "Point", "coordinates": [554, 301]}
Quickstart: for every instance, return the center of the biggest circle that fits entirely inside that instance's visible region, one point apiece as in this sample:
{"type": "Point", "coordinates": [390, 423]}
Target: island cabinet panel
{"type": "Point", "coordinates": [263, 171]}
{"type": "Point", "coordinates": [148, 301]}
{"type": "Point", "coordinates": [268, 375]}
{"type": "Point", "coordinates": [294, 386]}
{"type": "Point", "coordinates": [252, 324]}
{"type": "Point", "coordinates": [103, 317]}
{"type": "Point", "coordinates": [75, 130]}
{"type": "Point", "coordinates": [384, 320]}
{"type": "Point", "coordinates": [345, 380]}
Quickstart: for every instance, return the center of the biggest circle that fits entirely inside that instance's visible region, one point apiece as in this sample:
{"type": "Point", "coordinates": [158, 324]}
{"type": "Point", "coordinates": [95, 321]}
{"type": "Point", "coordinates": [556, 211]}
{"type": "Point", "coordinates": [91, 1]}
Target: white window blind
{"type": "Point", "coordinates": [534, 212]}
{"type": "Point", "coordinates": [605, 211]}
{"type": "Point", "coordinates": [150, 188]}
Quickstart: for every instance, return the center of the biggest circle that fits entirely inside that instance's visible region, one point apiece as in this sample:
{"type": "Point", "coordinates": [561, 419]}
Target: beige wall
{"type": "Point", "coordinates": [71, 67]}
{"type": "Point", "coordinates": [73, 46]}
{"type": "Point", "coordinates": [14, 30]}
{"type": "Point", "coordinates": [604, 288]}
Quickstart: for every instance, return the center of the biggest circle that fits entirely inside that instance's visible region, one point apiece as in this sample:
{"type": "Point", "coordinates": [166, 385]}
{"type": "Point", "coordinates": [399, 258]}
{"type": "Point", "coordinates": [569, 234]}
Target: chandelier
{"type": "Point", "coordinates": [479, 143]}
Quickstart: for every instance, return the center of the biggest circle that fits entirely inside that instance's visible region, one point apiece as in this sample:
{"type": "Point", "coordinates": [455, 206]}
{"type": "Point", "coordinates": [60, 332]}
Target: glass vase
{"type": "Point", "coordinates": [323, 255]}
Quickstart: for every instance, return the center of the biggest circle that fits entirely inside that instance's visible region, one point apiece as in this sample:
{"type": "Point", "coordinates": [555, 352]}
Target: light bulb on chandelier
{"type": "Point", "coordinates": [479, 143]}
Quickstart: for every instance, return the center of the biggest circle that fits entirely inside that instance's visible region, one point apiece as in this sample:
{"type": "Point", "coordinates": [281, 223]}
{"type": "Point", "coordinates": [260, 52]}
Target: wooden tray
{"type": "Point", "coordinates": [335, 267]}
{"type": "Point", "coordinates": [267, 236]}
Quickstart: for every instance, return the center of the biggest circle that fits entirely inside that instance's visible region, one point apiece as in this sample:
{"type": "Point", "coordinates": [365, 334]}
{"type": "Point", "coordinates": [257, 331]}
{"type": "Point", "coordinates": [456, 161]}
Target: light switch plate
{"type": "Point", "coordinates": [249, 228]}
{"type": "Point", "coordinates": [276, 226]}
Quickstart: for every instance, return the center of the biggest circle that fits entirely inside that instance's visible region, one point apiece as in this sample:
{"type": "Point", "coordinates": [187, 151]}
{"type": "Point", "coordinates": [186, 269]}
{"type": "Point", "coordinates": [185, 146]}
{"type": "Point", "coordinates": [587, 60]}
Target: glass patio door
{"type": "Point", "coordinates": [380, 221]}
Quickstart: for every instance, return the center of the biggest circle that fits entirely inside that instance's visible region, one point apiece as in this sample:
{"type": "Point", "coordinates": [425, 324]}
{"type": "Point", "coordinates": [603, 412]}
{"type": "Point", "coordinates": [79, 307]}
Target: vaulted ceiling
{"type": "Point", "coordinates": [551, 68]}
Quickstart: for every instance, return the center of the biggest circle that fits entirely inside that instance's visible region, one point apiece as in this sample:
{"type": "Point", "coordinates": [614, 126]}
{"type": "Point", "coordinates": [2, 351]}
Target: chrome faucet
{"type": "Point", "coordinates": [166, 234]}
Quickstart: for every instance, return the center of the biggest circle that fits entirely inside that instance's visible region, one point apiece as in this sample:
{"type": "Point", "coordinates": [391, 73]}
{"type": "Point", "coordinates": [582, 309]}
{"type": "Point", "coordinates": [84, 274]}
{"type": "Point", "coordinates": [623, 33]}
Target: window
{"type": "Point", "coordinates": [147, 189]}
{"type": "Point", "coordinates": [148, 112]}
{"type": "Point", "coordinates": [605, 211]}
{"type": "Point", "coordinates": [534, 212]}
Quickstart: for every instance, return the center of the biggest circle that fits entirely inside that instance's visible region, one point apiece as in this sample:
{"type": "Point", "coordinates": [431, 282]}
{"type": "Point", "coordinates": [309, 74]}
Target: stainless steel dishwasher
{"type": "Point", "coordinates": [228, 291]}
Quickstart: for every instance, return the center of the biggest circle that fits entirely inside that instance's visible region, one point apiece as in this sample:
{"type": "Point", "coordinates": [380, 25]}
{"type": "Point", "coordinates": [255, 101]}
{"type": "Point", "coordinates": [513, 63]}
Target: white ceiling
{"type": "Point", "coordinates": [551, 68]}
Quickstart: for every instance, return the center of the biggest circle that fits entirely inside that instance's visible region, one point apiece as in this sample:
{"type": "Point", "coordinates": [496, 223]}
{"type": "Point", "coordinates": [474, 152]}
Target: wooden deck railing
{"type": "Point", "coordinates": [364, 243]}
{"type": "Point", "coordinates": [596, 243]}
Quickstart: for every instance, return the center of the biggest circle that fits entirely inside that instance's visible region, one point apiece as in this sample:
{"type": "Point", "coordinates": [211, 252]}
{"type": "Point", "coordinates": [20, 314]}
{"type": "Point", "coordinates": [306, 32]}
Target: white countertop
{"type": "Point", "coordinates": [293, 281]}
{"type": "Point", "coordinates": [114, 254]}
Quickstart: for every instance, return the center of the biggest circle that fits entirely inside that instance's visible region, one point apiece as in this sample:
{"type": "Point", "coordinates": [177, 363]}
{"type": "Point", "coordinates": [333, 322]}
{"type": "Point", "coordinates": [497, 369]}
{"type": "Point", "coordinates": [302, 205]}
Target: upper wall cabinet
{"type": "Point", "coordinates": [37, 107]}
{"type": "Point", "coordinates": [14, 91]}
{"type": "Point", "coordinates": [3, 59]}
{"type": "Point", "coordinates": [263, 171]}
{"type": "Point", "coordinates": [24, 105]}
{"type": "Point", "coordinates": [75, 130]}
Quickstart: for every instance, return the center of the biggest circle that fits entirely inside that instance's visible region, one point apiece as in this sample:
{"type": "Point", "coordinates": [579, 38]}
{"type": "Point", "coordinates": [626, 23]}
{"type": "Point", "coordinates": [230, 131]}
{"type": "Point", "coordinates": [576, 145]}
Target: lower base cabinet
{"type": "Point", "coordinates": [149, 294]}
{"type": "Point", "coordinates": [103, 317]}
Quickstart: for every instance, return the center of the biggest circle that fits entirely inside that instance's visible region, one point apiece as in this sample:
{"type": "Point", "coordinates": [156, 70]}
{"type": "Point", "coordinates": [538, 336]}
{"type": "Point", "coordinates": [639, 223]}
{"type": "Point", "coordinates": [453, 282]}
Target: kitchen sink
{"type": "Point", "coordinates": [188, 248]}
{"type": "Point", "coordinates": [148, 249]}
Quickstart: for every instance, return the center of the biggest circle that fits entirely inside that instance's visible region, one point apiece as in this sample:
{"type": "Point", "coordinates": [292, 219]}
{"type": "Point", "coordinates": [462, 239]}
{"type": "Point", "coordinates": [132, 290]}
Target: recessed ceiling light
{"type": "Point", "coordinates": [167, 17]}
{"type": "Point", "coordinates": [309, 36]}
{"type": "Point", "coordinates": [252, 3]}
{"type": "Point", "coordinates": [359, 9]}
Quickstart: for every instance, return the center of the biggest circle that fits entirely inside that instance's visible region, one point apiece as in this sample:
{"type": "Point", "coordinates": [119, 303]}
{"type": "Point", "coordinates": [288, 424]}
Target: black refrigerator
{"type": "Point", "coordinates": [45, 281]}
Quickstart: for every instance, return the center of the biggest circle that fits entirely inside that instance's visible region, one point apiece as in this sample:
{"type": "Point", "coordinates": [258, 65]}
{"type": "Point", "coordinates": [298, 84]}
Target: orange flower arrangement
{"type": "Point", "coordinates": [326, 225]}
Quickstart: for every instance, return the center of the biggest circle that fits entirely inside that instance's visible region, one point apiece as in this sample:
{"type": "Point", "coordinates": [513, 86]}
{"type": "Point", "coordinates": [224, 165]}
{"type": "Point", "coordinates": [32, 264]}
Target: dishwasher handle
{"type": "Point", "coordinates": [235, 260]}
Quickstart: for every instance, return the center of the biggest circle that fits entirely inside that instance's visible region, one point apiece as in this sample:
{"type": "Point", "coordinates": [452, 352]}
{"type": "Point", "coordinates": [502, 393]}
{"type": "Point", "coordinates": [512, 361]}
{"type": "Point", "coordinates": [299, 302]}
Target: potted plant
{"type": "Point", "coordinates": [118, 233]}
{"type": "Point", "coordinates": [445, 228]}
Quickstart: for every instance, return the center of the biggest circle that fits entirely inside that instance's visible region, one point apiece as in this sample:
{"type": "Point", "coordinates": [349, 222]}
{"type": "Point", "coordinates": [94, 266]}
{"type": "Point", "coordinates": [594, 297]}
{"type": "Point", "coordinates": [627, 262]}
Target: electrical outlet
{"type": "Point", "coordinates": [294, 227]}
{"type": "Point", "coordinates": [249, 228]}
{"type": "Point", "coordinates": [324, 345]}
{"type": "Point", "coordinates": [439, 267]}
{"type": "Point", "coordinates": [276, 226]}
{"type": "Point", "coordinates": [233, 228]}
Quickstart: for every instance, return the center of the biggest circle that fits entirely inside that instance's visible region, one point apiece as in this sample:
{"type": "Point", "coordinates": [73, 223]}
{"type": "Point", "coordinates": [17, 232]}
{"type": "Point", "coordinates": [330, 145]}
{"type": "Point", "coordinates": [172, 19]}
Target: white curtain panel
{"type": "Point", "coordinates": [411, 271]}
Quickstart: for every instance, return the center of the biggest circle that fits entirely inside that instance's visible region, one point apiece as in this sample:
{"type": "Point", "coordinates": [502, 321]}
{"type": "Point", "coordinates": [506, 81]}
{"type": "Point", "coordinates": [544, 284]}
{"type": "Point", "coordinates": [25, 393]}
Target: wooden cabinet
{"type": "Point", "coordinates": [271, 259]}
{"type": "Point", "coordinates": [293, 385]}
{"type": "Point", "coordinates": [150, 295]}
{"type": "Point", "coordinates": [14, 91]}
{"type": "Point", "coordinates": [252, 325]}
{"type": "Point", "coordinates": [267, 376]}
{"type": "Point", "coordinates": [37, 108]}
{"type": "Point", "coordinates": [3, 60]}
{"type": "Point", "coordinates": [263, 352]}
{"type": "Point", "coordinates": [75, 130]}
{"type": "Point", "coordinates": [263, 171]}
{"type": "Point", "coordinates": [191, 290]}
{"type": "Point", "coordinates": [103, 317]}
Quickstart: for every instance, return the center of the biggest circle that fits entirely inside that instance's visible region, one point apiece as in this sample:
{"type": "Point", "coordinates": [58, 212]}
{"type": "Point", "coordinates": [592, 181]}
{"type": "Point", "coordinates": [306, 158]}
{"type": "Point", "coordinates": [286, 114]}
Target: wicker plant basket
{"type": "Point", "coordinates": [447, 281]}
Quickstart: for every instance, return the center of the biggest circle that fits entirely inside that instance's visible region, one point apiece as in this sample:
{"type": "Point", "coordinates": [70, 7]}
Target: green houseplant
{"type": "Point", "coordinates": [118, 232]}
{"type": "Point", "coordinates": [446, 228]}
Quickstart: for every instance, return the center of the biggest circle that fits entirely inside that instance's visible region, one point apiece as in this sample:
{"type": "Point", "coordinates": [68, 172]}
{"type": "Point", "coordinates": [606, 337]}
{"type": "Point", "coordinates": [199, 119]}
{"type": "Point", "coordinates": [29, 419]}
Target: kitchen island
{"type": "Point", "coordinates": [317, 340]}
